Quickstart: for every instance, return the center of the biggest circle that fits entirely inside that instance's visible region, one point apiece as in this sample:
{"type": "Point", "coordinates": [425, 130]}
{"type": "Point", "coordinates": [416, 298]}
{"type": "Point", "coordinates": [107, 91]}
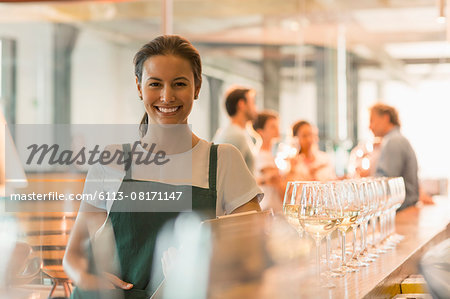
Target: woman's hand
{"type": "Point", "coordinates": [108, 281]}
{"type": "Point", "coordinates": [363, 172]}
{"type": "Point", "coordinates": [293, 162]}
{"type": "Point", "coordinates": [117, 282]}
{"type": "Point", "coordinates": [313, 169]}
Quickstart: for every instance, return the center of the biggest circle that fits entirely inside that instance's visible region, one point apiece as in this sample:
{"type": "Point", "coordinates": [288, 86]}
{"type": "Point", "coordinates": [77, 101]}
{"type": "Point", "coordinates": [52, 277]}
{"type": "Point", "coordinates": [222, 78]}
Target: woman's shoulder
{"type": "Point", "coordinates": [222, 148]}
{"type": "Point", "coordinates": [226, 149]}
{"type": "Point", "coordinates": [112, 158]}
{"type": "Point", "coordinates": [113, 148]}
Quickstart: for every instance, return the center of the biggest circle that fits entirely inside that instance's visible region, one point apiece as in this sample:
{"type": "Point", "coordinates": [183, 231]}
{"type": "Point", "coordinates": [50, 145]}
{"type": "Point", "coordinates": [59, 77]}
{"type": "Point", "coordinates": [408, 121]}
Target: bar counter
{"type": "Point", "coordinates": [422, 228]}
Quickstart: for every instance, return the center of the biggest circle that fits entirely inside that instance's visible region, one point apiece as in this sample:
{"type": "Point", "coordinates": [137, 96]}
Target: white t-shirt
{"type": "Point", "coordinates": [234, 183]}
{"type": "Point", "coordinates": [325, 168]}
{"type": "Point", "coordinates": [263, 160]}
{"type": "Point", "coordinates": [239, 137]}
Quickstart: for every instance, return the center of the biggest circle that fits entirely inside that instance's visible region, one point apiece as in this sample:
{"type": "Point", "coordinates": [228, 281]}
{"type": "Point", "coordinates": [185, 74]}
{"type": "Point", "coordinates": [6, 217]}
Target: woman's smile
{"type": "Point", "coordinates": [168, 110]}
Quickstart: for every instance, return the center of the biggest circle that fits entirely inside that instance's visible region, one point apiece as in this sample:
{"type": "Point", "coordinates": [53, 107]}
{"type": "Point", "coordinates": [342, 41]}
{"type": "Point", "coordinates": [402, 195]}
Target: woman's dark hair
{"type": "Point", "coordinates": [167, 45]}
{"type": "Point", "coordinates": [262, 118]}
{"type": "Point", "coordinates": [233, 98]}
{"type": "Point", "coordinates": [296, 127]}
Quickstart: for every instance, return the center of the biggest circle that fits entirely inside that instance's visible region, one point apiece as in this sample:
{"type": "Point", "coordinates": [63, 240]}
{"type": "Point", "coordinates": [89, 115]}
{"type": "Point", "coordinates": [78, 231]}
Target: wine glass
{"type": "Point", "coordinates": [359, 187]}
{"type": "Point", "coordinates": [349, 202]}
{"type": "Point", "coordinates": [368, 193]}
{"type": "Point", "coordinates": [385, 218]}
{"type": "Point", "coordinates": [399, 194]}
{"type": "Point", "coordinates": [291, 204]}
{"type": "Point", "coordinates": [318, 215]}
{"type": "Point", "coordinates": [380, 194]}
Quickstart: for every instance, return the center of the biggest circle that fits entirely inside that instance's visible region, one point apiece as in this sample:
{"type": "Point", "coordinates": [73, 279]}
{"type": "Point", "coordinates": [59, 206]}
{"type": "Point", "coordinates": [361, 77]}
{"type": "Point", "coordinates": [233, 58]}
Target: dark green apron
{"type": "Point", "coordinates": [136, 232]}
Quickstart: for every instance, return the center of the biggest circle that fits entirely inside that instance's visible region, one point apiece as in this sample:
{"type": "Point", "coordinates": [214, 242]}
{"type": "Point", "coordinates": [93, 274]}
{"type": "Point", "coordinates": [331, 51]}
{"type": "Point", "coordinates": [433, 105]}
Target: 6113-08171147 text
{"type": "Point", "coordinates": [135, 196]}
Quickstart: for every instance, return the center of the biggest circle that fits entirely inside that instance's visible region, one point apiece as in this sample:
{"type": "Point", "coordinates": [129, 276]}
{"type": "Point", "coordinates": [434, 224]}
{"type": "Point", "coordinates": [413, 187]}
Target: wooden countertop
{"type": "Point", "coordinates": [422, 227]}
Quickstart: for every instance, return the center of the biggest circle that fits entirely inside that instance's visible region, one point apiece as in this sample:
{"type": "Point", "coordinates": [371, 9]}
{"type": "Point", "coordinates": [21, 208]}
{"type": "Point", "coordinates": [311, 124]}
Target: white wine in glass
{"type": "Point", "coordinates": [349, 218]}
{"type": "Point", "coordinates": [318, 227]}
{"type": "Point", "coordinates": [291, 204]}
{"type": "Point", "coordinates": [318, 215]}
{"type": "Point", "coordinates": [291, 213]}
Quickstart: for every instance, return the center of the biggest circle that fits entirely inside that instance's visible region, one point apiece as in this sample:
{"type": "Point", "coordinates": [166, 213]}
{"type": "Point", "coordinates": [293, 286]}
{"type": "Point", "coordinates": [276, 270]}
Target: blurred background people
{"type": "Point", "coordinates": [363, 158]}
{"type": "Point", "coordinates": [267, 174]}
{"type": "Point", "coordinates": [240, 106]}
{"type": "Point", "coordinates": [397, 157]}
{"type": "Point", "coordinates": [310, 164]}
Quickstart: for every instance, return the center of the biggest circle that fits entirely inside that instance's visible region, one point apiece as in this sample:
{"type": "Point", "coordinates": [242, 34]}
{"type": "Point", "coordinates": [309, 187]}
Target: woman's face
{"type": "Point", "coordinates": [271, 130]}
{"type": "Point", "coordinates": [306, 137]}
{"type": "Point", "coordinates": [167, 89]}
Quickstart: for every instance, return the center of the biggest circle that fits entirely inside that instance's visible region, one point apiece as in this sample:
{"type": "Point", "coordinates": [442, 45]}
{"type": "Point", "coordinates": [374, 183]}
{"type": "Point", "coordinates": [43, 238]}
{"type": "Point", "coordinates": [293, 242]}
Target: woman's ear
{"type": "Point", "coordinates": [197, 91]}
{"type": "Point", "coordinates": [138, 85]}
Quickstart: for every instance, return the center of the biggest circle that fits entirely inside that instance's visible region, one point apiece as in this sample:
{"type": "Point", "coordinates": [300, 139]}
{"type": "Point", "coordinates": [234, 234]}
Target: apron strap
{"type": "Point", "coordinates": [126, 155]}
{"type": "Point", "coordinates": [213, 166]}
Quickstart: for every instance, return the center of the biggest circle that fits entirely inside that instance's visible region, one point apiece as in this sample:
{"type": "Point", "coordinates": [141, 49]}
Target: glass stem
{"type": "Point", "coordinates": [343, 248]}
{"type": "Point", "coordinates": [318, 259]}
{"type": "Point", "coordinates": [354, 241]}
{"type": "Point", "coordinates": [328, 249]}
{"type": "Point", "coordinates": [391, 229]}
{"type": "Point", "coordinates": [373, 223]}
{"type": "Point", "coordinates": [394, 231]}
{"type": "Point", "coordinates": [361, 230]}
{"type": "Point", "coordinates": [388, 224]}
{"type": "Point", "coordinates": [364, 235]}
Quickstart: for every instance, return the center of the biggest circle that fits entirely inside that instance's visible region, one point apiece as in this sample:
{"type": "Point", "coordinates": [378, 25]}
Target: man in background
{"type": "Point", "coordinates": [397, 157]}
{"type": "Point", "coordinates": [241, 108]}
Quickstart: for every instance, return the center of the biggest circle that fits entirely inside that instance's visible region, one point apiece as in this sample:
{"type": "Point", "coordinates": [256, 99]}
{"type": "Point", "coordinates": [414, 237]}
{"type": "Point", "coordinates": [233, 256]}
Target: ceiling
{"type": "Point", "coordinates": [391, 32]}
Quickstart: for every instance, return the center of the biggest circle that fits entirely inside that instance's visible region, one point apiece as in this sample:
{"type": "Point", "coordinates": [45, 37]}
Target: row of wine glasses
{"type": "Point", "coordinates": [321, 208]}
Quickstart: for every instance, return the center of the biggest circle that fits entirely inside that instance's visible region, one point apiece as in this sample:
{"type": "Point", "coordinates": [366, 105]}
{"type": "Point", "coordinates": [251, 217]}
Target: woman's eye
{"type": "Point", "coordinates": [180, 84]}
{"type": "Point", "coordinates": [154, 84]}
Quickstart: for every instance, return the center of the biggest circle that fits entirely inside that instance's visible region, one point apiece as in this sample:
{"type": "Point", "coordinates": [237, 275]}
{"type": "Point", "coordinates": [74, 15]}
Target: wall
{"type": "Point", "coordinates": [34, 70]}
{"type": "Point", "coordinates": [103, 84]}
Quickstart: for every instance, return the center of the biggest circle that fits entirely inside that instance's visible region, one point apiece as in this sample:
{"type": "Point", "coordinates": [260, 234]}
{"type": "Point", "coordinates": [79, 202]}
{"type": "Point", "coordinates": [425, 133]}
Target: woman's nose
{"type": "Point", "coordinates": [167, 95]}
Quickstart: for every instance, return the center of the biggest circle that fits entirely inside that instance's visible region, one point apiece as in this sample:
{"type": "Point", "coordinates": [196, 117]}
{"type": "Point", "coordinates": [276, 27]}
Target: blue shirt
{"type": "Point", "coordinates": [398, 159]}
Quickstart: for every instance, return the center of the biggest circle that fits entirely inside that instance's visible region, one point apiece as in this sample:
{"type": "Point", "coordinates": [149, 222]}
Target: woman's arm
{"type": "Point", "coordinates": [75, 262]}
{"type": "Point", "coordinates": [252, 205]}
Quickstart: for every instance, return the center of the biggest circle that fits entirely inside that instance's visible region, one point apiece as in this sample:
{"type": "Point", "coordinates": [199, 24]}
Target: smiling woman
{"type": "Point", "coordinates": [168, 79]}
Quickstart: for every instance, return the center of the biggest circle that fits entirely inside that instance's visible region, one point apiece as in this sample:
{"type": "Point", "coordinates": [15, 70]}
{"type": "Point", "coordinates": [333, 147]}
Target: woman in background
{"type": "Point", "coordinates": [311, 164]}
{"type": "Point", "coordinates": [266, 171]}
